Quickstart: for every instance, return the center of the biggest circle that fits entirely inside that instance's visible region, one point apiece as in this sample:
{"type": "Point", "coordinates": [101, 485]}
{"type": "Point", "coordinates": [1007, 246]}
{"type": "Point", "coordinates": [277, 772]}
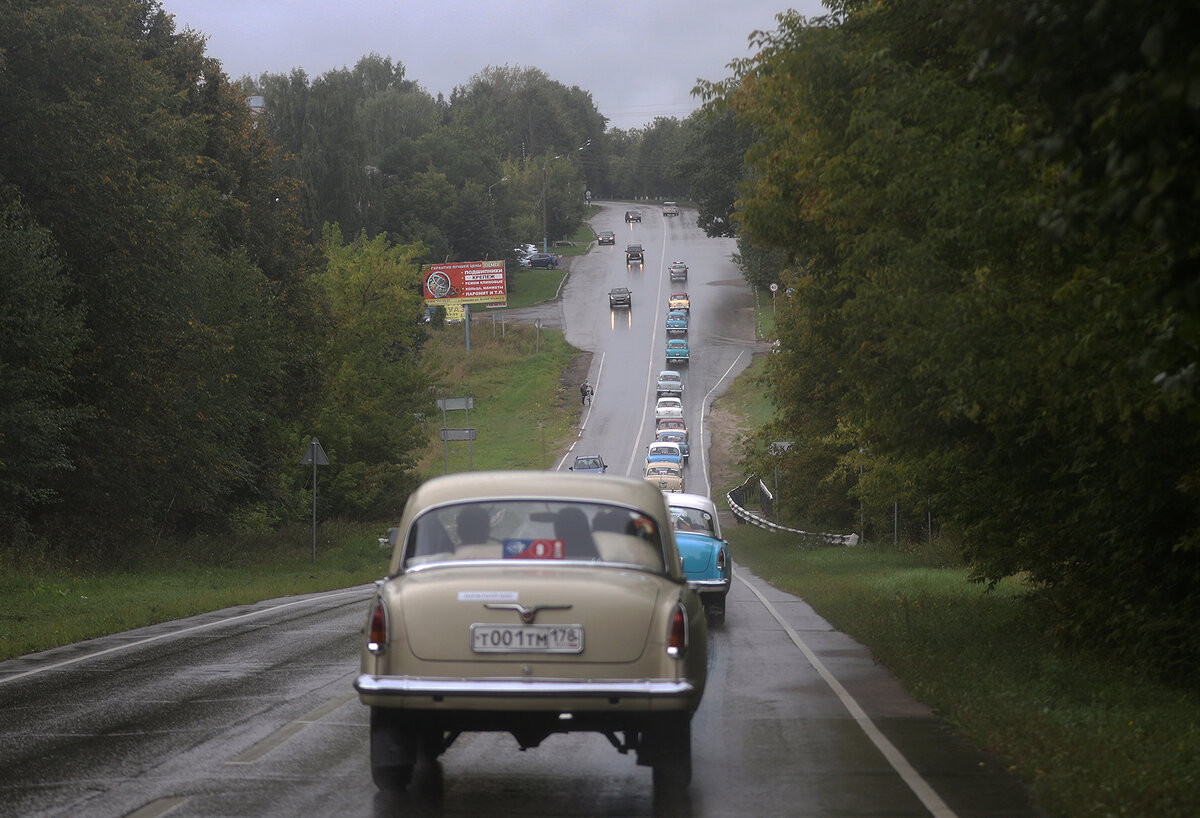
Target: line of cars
{"type": "Point", "coordinates": [535, 604]}
{"type": "Point", "coordinates": [705, 553]}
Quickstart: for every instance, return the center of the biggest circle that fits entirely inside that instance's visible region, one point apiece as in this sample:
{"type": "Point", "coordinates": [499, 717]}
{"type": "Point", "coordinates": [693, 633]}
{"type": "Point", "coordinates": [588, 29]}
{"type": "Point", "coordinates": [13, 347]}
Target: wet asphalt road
{"type": "Point", "coordinates": [250, 712]}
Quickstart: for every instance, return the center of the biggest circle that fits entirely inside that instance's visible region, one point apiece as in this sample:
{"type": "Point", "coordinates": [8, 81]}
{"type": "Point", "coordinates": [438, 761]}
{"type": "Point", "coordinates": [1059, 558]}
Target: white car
{"type": "Point", "coordinates": [668, 407]}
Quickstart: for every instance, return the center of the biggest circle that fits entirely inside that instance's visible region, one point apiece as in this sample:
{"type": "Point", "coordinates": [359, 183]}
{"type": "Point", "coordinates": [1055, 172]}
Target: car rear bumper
{"type": "Point", "coordinates": [413, 687]}
{"type": "Point", "coordinates": [709, 586]}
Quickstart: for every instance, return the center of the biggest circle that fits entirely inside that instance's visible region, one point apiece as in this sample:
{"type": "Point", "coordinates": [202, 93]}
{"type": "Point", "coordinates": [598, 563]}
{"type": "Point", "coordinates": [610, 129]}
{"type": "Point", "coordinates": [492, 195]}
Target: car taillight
{"type": "Point", "coordinates": [377, 636]}
{"type": "Point", "coordinates": [677, 633]}
{"type": "Point", "coordinates": [721, 560]}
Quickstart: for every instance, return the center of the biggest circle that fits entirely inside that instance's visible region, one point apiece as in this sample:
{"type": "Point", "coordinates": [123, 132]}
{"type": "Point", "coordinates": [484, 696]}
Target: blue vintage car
{"type": "Point", "coordinates": [677, 322]}
{"type": "Point", "coordinates": [677, 351]}
{"type": "Point", "coordinates": [664, 452]}
{"type": "Point", "coordinates": [705, 554]}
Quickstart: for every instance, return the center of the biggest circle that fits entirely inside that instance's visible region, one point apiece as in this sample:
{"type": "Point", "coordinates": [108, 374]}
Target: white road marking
{"type": "Point", "coordinates": [172, 634]}
{"type": "Point", "coordinates": [919, 786]}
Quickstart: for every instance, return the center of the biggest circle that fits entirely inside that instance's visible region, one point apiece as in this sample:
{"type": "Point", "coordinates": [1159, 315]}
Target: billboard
{"type": "Point", "coordinates": [464, 282]}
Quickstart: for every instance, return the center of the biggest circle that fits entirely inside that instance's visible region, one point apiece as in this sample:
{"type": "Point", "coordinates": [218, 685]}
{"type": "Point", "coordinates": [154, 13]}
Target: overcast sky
{"type": "Point", "coordinates": [638, 58]}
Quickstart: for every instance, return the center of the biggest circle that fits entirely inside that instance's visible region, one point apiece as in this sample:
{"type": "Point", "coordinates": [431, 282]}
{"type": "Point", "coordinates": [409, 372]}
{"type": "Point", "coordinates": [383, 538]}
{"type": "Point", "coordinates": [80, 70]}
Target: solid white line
{"type": "Point", "coordinates": [919, 786]}
{"type": "Point", "coordinates": [703, 413]}
{"type": "Point", "coordinates": [583, 420]}
{"type": "Point", "coordinates": [172, 634]}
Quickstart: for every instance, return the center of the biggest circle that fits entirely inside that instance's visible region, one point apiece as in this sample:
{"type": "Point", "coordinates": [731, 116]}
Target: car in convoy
{"type": "Point", "coordinates": [668, 407]}
{"type": "Point", "coordinates": [666, 477]}
{"type": "Point", "coordinates": [678, 271]}
{"type": "Point", "coordinates": [533, 603]}
{"type": "Point", "coordinates": [545, 261]}
{"type": "Point", "coordinates": [670, 382]}
{"type": "Point", "coordinates": [606, 237]}
{"type": "Point", "coordinates": [589, 464]}
{"type": "Point", "coordinates": [662, 424]}
{"type": "Point", "coordinates": [677, 351]}
{"type": "Point", "coordinates": [620, 297]}
{"type": "Point", "coordinates": [634, 254]}
{"type": "Point", "coordinates": [633, 216]}
{"type": "Point", "coordinates": [670, 209]}
{"type": "Point", "coordinates": [677, 436]}
{"type": "Point", "coordinates": [661, 451]}
{"type": "Point", "coordinates": [705, 553]}
{"type": "Point", "coordinates": [677, 322]}
{"type": "Point", "coordinates": [679, 301]}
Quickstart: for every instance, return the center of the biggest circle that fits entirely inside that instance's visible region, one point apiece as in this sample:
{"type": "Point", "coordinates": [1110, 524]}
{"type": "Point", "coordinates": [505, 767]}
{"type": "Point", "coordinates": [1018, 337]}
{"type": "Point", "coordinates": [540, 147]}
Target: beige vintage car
{"type": "Point", "coordinates": [665, 476]}
{"type": "Point", "coordinates": [533, 603]}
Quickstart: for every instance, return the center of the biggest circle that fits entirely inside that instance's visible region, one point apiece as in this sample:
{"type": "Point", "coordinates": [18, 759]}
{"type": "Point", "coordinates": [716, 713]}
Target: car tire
{"type": "Point", "coordinates": [672, 749]}
{"type": "Point", "coordinates": [394, 751]}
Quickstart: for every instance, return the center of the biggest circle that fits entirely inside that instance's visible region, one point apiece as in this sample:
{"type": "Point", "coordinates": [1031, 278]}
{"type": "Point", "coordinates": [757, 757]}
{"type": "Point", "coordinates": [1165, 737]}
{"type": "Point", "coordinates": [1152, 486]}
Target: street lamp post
{"type": "Point", "coordinates": [545, 168]}
{"type": "Point", "coordinates": [492, 204]}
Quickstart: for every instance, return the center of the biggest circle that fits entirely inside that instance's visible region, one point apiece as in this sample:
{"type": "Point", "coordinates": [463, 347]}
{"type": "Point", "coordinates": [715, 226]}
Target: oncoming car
{"type": "Point", "coordinates": [589, 464]}
{"type": "Point", "coordinates": [606, 237]}
{"type": "Point", "coordinates": [533, 603]}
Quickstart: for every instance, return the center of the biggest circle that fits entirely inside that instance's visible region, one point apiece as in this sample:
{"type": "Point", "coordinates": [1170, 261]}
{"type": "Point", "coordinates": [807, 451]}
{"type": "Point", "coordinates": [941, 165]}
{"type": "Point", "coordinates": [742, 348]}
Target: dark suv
{"type": "Point", "coordinates": [633, 216]}
{"type": "Point", "coordinates": [634, 254]}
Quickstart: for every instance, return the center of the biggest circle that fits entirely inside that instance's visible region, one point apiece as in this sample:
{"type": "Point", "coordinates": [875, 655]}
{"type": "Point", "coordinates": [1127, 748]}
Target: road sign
{"type": "Point", "coordinates": [774, 288]}
{"type": "Point", "coordinates": [314, 455]}
{"type": "Point", "coordinates": [458, 434]}
{"type": "Point", "coordinates": [451, 404]}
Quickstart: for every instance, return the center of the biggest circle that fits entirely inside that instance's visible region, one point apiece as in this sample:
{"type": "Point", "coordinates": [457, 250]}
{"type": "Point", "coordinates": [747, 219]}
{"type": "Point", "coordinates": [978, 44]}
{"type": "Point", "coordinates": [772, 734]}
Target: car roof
{"type": "Point", "coordinates": [669, 375]}
{"type": "Point", "coordinates": [485, 486]}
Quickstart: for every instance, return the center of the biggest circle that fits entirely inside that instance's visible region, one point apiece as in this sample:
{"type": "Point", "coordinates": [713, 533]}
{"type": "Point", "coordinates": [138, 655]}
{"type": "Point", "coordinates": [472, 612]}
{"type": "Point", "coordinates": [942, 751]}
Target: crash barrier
{"type": "Point", "coordinates": [739, 497]}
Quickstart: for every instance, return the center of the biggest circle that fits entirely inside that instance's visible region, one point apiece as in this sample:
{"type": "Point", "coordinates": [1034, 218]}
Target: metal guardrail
{"type": "Point", "coordinates": [736, 497]}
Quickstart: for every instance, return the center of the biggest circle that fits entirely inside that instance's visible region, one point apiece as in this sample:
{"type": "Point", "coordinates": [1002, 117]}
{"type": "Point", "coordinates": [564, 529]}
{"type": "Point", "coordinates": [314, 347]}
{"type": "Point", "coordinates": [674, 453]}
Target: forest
{"type": "Point", "coordinates": [981, 216]}
{"type": "Point", "coordinates": [199, 273]}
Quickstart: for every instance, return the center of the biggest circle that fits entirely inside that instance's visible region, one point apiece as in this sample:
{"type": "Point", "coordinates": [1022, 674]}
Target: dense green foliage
{"type": "Point", "coordinates": [506, 160]}
{"type": "Point", "coordinates": [172, 240]}
{"type": "Point", "coordinates": [992, 258]}
{"type": "Point", "coordinates": [192, 286]}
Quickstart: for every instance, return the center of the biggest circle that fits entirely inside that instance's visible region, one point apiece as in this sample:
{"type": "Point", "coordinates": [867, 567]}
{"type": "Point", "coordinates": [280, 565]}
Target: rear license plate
{"type": "Point", "coordinates": [526, 638]}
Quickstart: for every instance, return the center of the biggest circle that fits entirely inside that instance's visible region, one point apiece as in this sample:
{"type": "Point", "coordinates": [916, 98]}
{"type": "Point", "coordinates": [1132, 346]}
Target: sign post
{"type": "Point", "coordinates": [314, 455]}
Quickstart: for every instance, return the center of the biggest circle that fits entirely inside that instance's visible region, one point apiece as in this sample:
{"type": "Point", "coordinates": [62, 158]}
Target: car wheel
{"type": "Point", "coordinates": [672, 741]}
{"type": "Point", "coordinates": [393, 751]}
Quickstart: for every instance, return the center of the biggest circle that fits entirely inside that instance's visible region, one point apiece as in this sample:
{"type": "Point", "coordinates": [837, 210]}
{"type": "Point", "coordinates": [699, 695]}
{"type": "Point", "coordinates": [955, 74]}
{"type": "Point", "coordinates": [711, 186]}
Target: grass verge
{"type": "Point", "coordinates": [44, 605]}
{"type": "Point", "coordinates": [1090, 737]}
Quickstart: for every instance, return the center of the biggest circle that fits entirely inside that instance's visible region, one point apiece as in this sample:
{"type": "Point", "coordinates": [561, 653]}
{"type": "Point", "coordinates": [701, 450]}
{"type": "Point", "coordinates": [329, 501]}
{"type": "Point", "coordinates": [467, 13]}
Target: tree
{"type": "Point", "coordinates": [39, 339]}
{"type": "Point", "coordinates": [374, 385]}
{"type": "Point", "coordinates": [945, 344]}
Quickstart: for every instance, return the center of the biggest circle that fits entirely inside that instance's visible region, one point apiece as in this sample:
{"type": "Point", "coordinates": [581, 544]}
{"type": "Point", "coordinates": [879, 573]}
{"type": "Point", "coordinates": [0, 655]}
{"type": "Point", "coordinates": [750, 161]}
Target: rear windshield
{"type": "Point", "coordinates": [513, 530]}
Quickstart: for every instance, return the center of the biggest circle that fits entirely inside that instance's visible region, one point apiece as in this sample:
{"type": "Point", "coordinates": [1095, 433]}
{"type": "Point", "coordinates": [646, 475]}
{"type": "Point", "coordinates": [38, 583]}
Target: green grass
{"type": "Point", "coordinates": [1092, 738]}
{"type": "Point", "coordinates": [45, 606]}
{"type": "Point", "coordinates": [516, 428]}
